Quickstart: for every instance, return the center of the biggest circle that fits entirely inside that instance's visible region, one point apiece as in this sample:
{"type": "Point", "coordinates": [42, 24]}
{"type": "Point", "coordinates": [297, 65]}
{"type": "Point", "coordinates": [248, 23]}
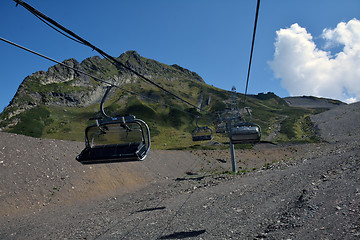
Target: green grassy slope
{"type": "Point", "coordinates": [45, 114]}
{"type": "Point", "coordinates": [170, 126]}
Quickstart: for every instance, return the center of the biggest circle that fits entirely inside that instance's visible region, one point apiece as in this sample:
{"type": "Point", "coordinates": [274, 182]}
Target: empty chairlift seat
{"type": "Point", "coordinates": [202, 134]}
{"type": "Point", "coordinates": [116, 139]}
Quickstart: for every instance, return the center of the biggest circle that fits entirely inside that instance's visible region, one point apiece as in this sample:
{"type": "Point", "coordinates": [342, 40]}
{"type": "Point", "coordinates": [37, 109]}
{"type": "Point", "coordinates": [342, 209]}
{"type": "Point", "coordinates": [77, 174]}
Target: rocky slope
{"type": "Point", "coordinates": [340, 124]}
{"type": "Point", "coordinates": [313, 102]}
{"type": "Point", "coordinates": [63, 87]}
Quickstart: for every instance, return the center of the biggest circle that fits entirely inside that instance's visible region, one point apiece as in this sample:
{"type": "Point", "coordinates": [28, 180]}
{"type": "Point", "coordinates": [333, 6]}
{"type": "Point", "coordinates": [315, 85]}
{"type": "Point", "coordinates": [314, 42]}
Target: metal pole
{"type": "Point", "coordinates": [233, 157]}
{"type": "Point", "coordinates": [232, 151]}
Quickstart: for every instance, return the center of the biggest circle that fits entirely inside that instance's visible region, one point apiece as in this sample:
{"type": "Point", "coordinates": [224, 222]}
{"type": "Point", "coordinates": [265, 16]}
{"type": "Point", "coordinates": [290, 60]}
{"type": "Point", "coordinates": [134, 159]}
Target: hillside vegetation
{"type": "Point", "coordinates": [58, 104]}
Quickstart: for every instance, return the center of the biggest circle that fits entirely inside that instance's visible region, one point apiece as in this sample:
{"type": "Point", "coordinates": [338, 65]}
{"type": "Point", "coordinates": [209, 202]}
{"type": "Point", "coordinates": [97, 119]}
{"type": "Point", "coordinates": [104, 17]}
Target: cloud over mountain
{"type": "Point", "coordinates": [305, 69]}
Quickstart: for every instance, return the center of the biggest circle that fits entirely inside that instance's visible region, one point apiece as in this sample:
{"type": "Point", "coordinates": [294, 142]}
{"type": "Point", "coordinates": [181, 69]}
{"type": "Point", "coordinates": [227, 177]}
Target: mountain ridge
{"type": "Point", "coordinates": [57, 103]}
{"type": "Point", "coordinates": [48, 92]}
{"type": "Point", "coordinates": [313, 102]}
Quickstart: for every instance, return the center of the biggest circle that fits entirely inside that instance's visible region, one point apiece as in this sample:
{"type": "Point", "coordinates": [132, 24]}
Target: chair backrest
{"type": "Point", "coordinates": [245, 133]}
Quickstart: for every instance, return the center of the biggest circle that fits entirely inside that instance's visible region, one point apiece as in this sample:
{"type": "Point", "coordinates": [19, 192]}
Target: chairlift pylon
{"type": "Point", "coordinates": [114, 139]}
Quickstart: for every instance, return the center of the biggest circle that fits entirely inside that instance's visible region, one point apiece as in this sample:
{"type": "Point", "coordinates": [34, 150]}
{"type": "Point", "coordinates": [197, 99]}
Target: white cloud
{"type": "Point", "coordinates": [350, 100]}
{"type": "Point", "coordinates": [304, 69]}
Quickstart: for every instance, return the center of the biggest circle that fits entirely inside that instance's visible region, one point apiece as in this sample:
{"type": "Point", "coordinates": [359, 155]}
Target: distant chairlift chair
{"type": "Point", "coordinates": [201, 133]}
{"type": "Point", "coordinates": [114, 139]}
{"type": "Point", "coordinates": [245, 132]}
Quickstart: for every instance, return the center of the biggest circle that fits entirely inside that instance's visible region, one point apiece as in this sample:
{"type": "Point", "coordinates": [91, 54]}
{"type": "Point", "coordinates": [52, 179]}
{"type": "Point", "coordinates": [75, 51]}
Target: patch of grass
{"type": "Point", "coordinates": [32, 122]}
{"type": "Point", "coordinates": [287, 127]}
{"type": "Point", "coordinates": [141, 111]}
{"type": "Point", "coordinates": [307, 130]}
{"type": "Point", "coordinates": [218, 106]}
{"type": "Point", "coordinates": [69, 123]}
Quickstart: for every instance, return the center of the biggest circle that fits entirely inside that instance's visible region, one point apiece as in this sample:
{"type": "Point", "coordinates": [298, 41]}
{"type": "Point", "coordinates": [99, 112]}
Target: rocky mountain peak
{"type": "Point", "coordinates": [64, 87]}
{"type": "Point", "coordinates": [186, 71]}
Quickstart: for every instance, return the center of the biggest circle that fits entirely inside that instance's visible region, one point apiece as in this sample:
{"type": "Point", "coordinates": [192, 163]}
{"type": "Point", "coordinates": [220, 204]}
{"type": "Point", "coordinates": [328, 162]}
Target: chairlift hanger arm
{"type": "Point", "coordinates": [101, 52]}
{"type": "Point", "coordinates": [108, 88]}
{"type": "Point", "coordinates": [248, 112]}
{"type": "Point", "coordinates": [107, 117]}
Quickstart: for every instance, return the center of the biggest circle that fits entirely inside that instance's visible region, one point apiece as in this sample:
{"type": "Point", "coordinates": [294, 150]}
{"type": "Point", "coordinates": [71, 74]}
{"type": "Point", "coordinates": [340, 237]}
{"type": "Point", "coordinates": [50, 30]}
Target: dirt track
{"type": "Point", "coordinates": [307, 191]}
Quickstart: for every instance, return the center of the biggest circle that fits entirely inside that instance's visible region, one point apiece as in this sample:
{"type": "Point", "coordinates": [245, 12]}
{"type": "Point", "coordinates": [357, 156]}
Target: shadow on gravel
{"type": "Point", "coordinates": [181, 235]}
{"type": "Point", "coordinates": [187, 179]}
{"type": "Point", "coordinates": [221, 160]}
{"type": "Point", "coordinates": [150, 209]}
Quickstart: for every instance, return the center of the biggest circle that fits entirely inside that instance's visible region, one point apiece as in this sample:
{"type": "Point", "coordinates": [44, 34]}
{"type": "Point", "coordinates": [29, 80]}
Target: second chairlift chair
{"type": "Point", "coordinates": [245, 132]}
{"type": "Point", "coordinates": [201, 133]}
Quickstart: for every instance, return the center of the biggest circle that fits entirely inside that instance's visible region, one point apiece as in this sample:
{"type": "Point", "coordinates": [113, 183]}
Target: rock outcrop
{"type": "Point", "coordinates": [64, 87]}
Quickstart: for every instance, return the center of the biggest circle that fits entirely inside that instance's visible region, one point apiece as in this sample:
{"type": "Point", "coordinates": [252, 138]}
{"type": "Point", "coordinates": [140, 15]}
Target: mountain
{"type": "Point", "coordinates": [58, 103]}
{"type": "Point", "coordinates": [64, 87]}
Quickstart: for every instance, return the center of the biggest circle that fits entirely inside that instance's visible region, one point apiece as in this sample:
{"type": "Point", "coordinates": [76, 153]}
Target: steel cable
{"type": "Point", "coordinates": [252, 49]}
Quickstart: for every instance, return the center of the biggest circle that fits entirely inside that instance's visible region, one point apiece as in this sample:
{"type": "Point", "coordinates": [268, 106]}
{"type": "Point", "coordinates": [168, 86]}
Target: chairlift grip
{"type": "Point", "coordinates": [108, 88]}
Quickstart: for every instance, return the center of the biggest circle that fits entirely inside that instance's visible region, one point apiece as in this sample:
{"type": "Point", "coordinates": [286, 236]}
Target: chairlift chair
{"type": "Point", "coordinates": [245, 132]}
{"type": "Point", "coordinates": [201, 133]}
{"type": "Point", "coordinates": [114, 139]}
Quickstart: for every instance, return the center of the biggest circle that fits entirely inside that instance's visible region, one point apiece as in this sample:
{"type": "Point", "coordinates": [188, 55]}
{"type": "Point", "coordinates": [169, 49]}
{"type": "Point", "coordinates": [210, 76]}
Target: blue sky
{"type": "Point", "coordinates": [209, 37]}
